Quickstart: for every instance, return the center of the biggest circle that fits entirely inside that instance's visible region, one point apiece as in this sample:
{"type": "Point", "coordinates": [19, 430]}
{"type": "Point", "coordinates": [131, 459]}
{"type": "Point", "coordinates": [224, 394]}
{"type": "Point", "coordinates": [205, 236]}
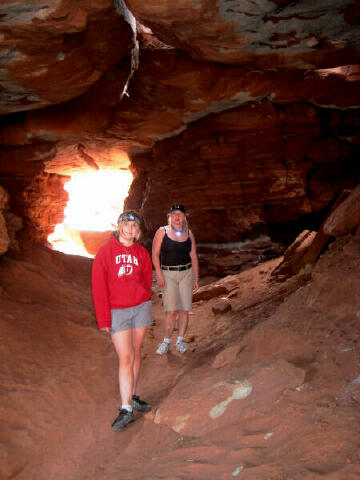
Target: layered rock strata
{"type": "Point", "coordinates": [247, 113]}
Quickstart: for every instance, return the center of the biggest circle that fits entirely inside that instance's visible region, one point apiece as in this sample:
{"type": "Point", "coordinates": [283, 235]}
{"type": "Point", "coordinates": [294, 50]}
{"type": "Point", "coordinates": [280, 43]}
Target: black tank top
{"type": "Point", "coordinates": [175, 253]}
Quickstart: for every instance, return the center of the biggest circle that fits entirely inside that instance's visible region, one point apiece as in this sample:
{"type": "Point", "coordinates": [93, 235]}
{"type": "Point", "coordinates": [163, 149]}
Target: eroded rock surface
{"type": "Point", "coordinates": [52, 51]}
{"type": "Point", "coordinates": [260, 101]}
{"type": "Point", "coordinates": [268, 389]}
{"type": "Point", "coordinates": [248, 113]}
{"type": "Point", "coordinates": [4, 236]}
{"type": "Point", "coordinates": [273, 34]}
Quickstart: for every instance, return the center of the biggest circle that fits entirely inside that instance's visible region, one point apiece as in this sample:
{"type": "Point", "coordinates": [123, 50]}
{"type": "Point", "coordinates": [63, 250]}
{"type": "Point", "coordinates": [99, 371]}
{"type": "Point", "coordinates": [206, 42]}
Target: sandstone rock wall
{"type": "Point", "coordinates": [243, 171]}
{"type": "Point", "coordinates": [4, 236]}
{"type": "Point", "coordinates": [247, 112]}
{"type": "Point", "coordinates": [44, 202]}
{"type": "Point", "coordinates": [54, 51]}
{"type": "Point", "coordinates": [9, 225]}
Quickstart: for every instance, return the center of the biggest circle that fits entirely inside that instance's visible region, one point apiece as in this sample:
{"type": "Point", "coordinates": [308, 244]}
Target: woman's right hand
{"type": "Point", "coordinates": [105, 329]}
{"type": "Point", "coordinates": [160, 280]}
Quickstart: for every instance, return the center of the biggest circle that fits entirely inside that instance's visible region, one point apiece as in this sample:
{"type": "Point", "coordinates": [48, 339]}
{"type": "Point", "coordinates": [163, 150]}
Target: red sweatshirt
{"type": "Point", "coordinates": [121, 278]}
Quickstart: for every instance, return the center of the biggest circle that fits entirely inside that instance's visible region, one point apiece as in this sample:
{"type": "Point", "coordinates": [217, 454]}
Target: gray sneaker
{"type": "Point", "coordinates": [140, 405]}
{"type": "Point", "coordinates": [122, 420]}
{"type": "Point", "coordinates": [182, 346]}
{"type": "Point", "coordinates": [163, 348]}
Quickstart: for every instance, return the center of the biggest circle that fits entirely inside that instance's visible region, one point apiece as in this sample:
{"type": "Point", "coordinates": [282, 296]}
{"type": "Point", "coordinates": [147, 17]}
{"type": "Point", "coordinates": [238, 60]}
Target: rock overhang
{"type": "Point", "coordinates": [186, 82]}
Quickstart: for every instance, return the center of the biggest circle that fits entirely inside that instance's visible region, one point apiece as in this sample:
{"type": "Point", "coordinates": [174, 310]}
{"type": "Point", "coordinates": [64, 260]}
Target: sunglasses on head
{"type": "Point", "coordinates": [129, 217]}
{"type": "Point", "coordinates": [175, 207]}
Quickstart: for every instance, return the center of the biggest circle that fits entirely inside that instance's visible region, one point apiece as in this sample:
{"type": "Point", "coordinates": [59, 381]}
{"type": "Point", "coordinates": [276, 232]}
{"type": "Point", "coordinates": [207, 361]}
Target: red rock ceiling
{"type": "Point", "coordinates": [247, 112]}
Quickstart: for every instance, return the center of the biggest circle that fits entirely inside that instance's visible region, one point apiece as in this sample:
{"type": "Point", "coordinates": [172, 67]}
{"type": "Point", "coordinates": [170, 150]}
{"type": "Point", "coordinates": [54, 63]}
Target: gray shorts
{"type": "Point", "coordinates": [178, 291]}
{"type": "Point", "coordinates": [132, 317]}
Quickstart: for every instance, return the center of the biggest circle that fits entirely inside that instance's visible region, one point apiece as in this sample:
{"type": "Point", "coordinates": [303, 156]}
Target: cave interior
{"type": "Point", "coordinates": [247, 113]}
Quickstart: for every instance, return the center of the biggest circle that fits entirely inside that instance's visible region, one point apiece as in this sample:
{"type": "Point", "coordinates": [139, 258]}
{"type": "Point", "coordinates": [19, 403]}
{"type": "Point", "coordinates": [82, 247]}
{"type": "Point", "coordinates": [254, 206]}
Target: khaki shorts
{"type": "Point", "coordinates": [178, 291]}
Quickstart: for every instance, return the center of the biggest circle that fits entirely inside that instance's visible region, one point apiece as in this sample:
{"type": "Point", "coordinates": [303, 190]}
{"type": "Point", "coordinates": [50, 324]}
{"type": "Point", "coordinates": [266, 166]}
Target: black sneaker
{"type": "Point", "coordinates": [140, 405]}
{"type": "Point", "coordinates": [122, 420]}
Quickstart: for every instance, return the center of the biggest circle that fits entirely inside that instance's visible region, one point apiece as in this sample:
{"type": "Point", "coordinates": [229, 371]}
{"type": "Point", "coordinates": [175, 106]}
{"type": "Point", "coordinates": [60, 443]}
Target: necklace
{"type": "Point", "coordinates": [177, 232]}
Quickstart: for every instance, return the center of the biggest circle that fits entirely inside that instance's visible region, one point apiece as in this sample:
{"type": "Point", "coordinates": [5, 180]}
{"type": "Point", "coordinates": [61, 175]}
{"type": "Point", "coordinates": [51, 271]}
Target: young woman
{"type": "Point", "coordinates": [121, 287]}
{"type": "Point", "coordinates": [177, 272]}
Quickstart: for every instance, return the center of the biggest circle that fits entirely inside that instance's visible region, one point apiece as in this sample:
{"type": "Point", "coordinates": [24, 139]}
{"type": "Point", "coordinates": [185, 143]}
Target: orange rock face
{"type": "Point", "coordinates": [240, 171]}
{"type": "Point", "coordinates": [246, 112]}
{"type": "Point", "coordinates": [270, 389]}
{"type": "Point", "coordinates": [53, 52]}
{"type": "Point", "coordinates": [271, 34]}
{"type": "Point", "coordinates": [4, 236]}
{"type": "Point", "coordinates": [249, 116]}
{"type": "Point", "coordinates": [44, 202]}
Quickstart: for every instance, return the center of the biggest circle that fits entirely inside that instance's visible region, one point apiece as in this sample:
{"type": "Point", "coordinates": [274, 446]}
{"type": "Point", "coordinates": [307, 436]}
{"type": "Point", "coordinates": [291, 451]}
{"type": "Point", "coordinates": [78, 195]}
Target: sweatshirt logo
{"type": "Point", "coordinates": [126, 264]}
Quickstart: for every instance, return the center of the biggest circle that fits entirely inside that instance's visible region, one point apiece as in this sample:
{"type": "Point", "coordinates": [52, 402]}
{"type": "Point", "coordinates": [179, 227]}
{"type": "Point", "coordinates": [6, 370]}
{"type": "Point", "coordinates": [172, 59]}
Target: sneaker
{"type": "Point", "coordinates": [163, 348]}
{"type": "Point", "coordinates": [182, 346]}
{"type": "Point", "coordinates": [122, 420]}
{"type": "Point", "coordinates": [140, 405]}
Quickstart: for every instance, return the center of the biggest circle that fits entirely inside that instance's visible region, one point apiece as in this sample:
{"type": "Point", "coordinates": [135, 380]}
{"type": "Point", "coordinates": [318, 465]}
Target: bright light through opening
{"type": "Point", "coordinates": [95, 201]}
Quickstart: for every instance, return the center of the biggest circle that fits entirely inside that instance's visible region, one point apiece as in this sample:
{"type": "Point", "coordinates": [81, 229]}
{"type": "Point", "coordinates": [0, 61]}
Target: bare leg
{"type": "Point", "coordinates": [137, 340]}
{"type": "Point", "coordinates": [125, 351]}
{"type": "Point", "coordinates": [169, 323]}
{"type": "Point", "coordinates": [183, 322]}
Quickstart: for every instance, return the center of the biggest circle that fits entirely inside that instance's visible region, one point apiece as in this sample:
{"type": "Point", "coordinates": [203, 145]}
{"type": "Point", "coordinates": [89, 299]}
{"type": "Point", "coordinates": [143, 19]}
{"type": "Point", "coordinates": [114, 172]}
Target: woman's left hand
{"type": "Point", "coordinates": [196, 285]}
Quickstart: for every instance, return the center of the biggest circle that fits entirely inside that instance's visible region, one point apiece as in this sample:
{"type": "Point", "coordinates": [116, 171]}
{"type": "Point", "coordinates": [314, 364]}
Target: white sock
{"type": "Point", "coordinates": [167, 340]}
{"type": "Point", "coordinates": [179, 339]}
{"type": "Point", "coordinates": [127, 407]}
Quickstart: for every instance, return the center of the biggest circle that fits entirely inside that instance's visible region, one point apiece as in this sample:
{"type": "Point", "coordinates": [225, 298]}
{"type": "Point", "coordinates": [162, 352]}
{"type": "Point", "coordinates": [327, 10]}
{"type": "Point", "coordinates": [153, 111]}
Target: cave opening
{"type": "Point", "coordinates": [95, 200]}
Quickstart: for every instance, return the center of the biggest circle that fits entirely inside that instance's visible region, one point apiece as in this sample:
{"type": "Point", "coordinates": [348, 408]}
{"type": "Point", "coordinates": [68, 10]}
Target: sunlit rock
{"type": "Point", "coordinates": [44, 202]}
{"type": "Point", "coordinates": [209, 291]}
{"type": "Point", "coordinates": [346, 217]}
{"type": "Point", "coordinates": [206, 402]}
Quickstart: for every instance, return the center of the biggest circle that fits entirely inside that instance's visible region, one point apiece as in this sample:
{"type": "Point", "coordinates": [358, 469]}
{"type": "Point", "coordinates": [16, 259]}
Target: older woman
{"type": "Point", "coordinates": [121, 286]}
{"type": "Point", "coordinates": [177, 272]}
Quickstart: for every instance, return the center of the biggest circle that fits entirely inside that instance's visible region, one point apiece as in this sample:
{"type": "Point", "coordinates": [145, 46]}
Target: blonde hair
{"type": "Point", "coordinates": [121, 223]}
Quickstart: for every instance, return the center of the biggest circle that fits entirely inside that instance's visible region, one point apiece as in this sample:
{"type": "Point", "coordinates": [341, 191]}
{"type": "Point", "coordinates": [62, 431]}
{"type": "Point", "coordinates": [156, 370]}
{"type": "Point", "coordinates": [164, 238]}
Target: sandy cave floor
{"type": "Point", "coordinates": [296, 343]}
